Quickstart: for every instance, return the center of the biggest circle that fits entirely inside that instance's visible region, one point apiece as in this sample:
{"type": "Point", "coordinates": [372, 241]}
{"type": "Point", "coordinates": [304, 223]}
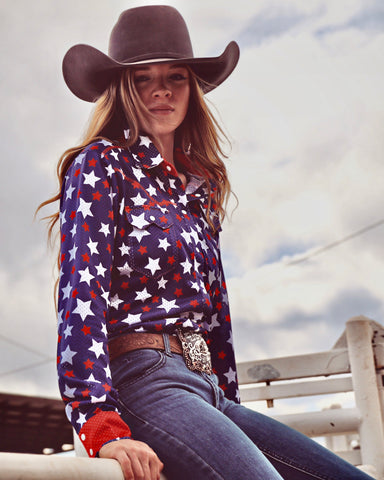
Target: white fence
{"type": "Point", "coordinates": [356, 364]}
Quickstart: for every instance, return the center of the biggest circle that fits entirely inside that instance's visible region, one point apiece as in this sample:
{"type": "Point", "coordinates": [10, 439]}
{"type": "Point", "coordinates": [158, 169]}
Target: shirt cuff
{"type": "Point", "coordinates": [102, 428]}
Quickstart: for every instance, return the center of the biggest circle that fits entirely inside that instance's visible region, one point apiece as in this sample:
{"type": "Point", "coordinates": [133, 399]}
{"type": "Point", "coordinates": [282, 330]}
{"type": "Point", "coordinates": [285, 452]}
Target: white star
{"type": "Point", "coordinates": [83, 309]}
{"type": "Point", "coordinates": [85, 208]}
{"type": "Point", "coordinates": [108, 372]}
{"type": "Point", "coordinates": [86, 276]}
{"type": "Point", "coordinates": [110, 170]}
{"type": "Point", "coordinates": [60, 317]}
{"type": "Point", "coordinates": [139, 221]}
{"type": "Point", "coordinates": [104, 229]}
{"type": "Point", "coordinates": [187, 265]}
{"type": "Point", "coordinates": [163, 243]}
{"type": "Point", "coordinates": [132, 318]}
{"type": "Point", "coordinates": [214, 322]}
{"type": "Point", "coordinates": [91, 379]}
{"type": "Point", "coordinates": [143, 295]}
{"type": "Point", "coordinates": [138, 173]}
{"type": "Point", "coordinates": [153, 265]}
{"type": "Point", "coordinates": [125, 269]}
{"type": "Point", "coordinates": [195, 286]}
{"type": "Point", "coordinates": [80, 158]}
{"type": "Point", "coordinates": [157, 160]}
{"type": "Point", "coordinates": [124, 249]}
{"type": "Point", "coordinates": [68, 331]}
{"type": "Point", "coordinates": [97, 348]}
{"type": "Point", "coordinates": [139, 200]}
{"type": "Point", "coordinates": [167, 305]}
{"type": "Point", "coordinates": [187, 236]}
{"type": "Point", "coordinates": [69, 192]}
{"type": "Point", "coordinates": [145, 141]}
{"type": "Point", "coordinates": [62, 217]}
{"type": "Point", "coordinates": [211, 277]}
{"type": "Point", "coordinates": [151, 190]}
{"type": "Point", "coordinates": [161, 184]}
{"type": "Point", "coordinates": [115, 301]}
{"type": "Point", "coordinates": [231, 375]}
{"type": "Point", "coordinates": [82, 419]}
{"type": "Point", "coordinates": [183, 199]}
{"type": "Point", "coordinates": [66, 290]}
{"type": "Point", "coordinates": [69, 392]}
{"type": "Point", "coordinates": [74, 228]}
{"type": "Point", "coordinates": [114, 154]}
{"type": "Point", "coordinates": [98, 400]}
{"type": "Point", "coordinates": [100, 269]}
{"type": "Point", "coordinates": [67, 355]}
{"type": "Point", "coordinates": [72, 253]}
{"type": "Point", "coordinates": [139, 234]}
{"type": "Point", "coordinates": [195, 236]}
{"type": "Point", "coordinates": [162, 282]}
{"type": "Point", "coordinates": [90, 179]}
{"type": "Point", "coordinates": [92, 247]}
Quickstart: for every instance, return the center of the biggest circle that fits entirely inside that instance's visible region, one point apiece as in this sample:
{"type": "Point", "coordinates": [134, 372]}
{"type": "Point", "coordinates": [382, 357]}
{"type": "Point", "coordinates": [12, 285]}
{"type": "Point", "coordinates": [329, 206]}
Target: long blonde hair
{"type": "Point", "coordinates": [199, 134]}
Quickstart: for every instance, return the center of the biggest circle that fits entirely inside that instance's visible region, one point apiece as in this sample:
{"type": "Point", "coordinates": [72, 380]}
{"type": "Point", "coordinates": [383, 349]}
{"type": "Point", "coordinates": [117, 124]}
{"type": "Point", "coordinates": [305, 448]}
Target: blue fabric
{"type": "Point", "coordinates": [199, 434]}
{"type": "Point", "coordinates": [137, 254]}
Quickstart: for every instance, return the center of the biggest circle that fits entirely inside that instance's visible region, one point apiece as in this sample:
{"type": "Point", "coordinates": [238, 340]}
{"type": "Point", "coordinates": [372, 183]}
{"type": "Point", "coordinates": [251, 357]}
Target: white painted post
{"type": "Point", "coordinates": [360, 351]}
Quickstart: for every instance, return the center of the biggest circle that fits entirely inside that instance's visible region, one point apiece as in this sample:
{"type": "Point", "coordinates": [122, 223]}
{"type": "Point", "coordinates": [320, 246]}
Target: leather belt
{"type": "Point", "coordinates": [136, 341]}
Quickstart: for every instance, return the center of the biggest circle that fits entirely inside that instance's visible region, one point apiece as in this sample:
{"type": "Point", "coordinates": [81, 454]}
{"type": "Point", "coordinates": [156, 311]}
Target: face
{"type": "Point", "coordinates": [164, 90]}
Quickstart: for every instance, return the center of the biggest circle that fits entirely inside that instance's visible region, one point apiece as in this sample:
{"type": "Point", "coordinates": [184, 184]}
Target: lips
{"type": "Point", "coordinates": [163, 108]}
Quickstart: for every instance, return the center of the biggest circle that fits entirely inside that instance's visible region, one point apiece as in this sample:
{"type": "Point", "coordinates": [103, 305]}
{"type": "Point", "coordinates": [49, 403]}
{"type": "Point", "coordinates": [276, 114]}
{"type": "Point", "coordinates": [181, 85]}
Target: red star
{"type": "Point", "coordinates": [96, 196]}
{"type": "Point", "coordinates": [88, 364]}
{"type": "Point", "coordinates": [86, 330]}
{"type": "Point", "coordinates": [221, 355]}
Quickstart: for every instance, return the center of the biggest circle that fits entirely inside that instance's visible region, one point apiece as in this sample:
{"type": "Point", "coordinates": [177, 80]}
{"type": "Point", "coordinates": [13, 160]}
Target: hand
{"type": "Point", "coordinates": [137, 460]}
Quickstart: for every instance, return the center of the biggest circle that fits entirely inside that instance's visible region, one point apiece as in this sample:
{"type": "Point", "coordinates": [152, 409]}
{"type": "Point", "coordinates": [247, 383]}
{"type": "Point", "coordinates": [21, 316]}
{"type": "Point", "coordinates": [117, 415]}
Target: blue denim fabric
{"type": "Point", "coordinates": [199, 434]}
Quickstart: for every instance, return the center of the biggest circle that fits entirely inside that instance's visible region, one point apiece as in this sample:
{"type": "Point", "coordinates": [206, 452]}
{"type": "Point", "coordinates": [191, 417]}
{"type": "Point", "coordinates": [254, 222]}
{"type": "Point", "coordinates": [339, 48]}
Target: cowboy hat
{"type": "Point", "coordinates": [143, 35]}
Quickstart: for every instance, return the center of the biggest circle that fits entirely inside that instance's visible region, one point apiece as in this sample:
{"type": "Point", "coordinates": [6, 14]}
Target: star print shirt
{"type": "Point", "coordinates": [137, 255]}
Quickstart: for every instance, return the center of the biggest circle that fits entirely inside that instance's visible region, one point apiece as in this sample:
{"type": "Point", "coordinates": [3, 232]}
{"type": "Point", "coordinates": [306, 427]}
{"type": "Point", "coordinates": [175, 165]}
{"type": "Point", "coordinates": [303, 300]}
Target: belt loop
{"type": "Point", "coordinates": [167, 345]}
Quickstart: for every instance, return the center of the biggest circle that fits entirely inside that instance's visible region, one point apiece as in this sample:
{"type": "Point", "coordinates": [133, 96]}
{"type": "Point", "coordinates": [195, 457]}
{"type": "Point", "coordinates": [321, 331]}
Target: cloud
{"type": "Point", "coordinates": [305, 112]}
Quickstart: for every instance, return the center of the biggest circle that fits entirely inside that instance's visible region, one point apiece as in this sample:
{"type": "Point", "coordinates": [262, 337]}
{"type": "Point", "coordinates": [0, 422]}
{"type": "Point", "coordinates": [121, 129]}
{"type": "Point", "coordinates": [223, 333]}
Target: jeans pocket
{"type": "Point", "coordinates": [134, 366]}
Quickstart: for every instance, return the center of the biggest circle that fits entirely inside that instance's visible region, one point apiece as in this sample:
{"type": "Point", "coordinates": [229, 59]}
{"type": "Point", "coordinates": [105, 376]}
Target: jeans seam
{"type": "Point", "coordinates": [290, 464]}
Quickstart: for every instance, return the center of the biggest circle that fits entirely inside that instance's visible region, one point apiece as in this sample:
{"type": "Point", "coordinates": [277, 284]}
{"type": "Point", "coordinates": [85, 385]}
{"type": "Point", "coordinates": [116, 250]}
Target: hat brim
{"type": "Point", "coordinates": [87, 71]}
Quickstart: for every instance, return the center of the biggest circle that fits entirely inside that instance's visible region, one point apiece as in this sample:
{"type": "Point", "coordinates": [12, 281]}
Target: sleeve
{"type": "Point", "coordinates": [220, 339]}
{"type": "Point", "coordinates": [88, 206]}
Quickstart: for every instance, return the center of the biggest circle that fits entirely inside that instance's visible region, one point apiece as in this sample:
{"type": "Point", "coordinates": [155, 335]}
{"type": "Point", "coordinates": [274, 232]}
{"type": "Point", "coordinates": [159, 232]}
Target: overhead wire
{"type": "Point", "coordinates": [316, 252]}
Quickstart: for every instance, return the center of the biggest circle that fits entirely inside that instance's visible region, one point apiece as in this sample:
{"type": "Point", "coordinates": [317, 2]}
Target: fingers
{"type": "Point", "coordinates": [137, 460]}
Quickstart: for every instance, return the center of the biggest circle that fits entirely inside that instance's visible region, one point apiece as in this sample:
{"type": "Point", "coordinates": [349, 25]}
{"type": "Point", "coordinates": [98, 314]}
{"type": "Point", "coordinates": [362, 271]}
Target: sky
{"type": "Point", "coordinates": [303, 245]}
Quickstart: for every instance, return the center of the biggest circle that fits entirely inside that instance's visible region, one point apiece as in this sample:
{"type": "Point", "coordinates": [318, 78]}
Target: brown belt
{"type": "Point", "coordinates": [136, 341]}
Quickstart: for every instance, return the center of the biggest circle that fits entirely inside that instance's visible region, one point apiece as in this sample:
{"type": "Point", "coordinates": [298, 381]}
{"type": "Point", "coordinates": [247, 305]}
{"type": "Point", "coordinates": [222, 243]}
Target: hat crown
{"type": "Point", "coordinates": [163, 28]}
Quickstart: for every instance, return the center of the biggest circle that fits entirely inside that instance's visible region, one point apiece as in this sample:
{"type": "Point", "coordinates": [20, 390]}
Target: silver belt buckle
{"type": "Point", "coordinates": [195, 351]}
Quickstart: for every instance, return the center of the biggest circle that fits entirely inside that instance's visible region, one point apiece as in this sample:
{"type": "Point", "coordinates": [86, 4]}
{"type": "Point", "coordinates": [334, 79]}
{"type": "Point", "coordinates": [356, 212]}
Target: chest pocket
{"type": "Point", "coordinates": [152, 241]}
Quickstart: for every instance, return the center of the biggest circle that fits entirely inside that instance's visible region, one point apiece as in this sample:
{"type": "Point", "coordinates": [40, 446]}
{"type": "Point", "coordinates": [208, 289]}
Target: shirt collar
{"type": "Point", "coordinates": [147, 156]}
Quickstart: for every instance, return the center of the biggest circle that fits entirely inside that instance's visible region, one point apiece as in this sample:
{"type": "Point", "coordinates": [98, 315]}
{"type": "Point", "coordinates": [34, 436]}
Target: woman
{"type": "Point", "coordinates": [145, 358]}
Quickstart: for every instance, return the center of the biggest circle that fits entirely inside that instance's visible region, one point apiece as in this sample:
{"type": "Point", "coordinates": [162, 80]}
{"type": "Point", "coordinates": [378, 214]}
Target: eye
{"type": "Point", "coordinates": [177, 76]}
{"type": "Point", "coordinates": [140, 78]}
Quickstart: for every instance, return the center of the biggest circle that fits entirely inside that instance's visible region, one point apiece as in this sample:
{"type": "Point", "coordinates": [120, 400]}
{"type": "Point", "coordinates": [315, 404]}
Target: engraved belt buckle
{"type": "Point", "coordinates": [195, 351]}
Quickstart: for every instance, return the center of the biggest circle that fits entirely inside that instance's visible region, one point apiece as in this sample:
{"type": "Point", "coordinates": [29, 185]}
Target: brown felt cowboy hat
{"type": "Point", "coordinates": [143, 35]}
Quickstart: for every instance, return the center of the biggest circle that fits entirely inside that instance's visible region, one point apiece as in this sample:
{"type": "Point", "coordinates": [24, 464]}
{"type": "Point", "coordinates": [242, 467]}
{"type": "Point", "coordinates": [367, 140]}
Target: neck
{"type": "Point", "coordinates": [165, 145]}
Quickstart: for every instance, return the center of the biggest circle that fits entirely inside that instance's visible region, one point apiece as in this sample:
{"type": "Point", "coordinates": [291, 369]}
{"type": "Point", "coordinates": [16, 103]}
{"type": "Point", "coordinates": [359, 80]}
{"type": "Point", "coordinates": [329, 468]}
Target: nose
{"type": "Point", "coordinates": [161, 90]}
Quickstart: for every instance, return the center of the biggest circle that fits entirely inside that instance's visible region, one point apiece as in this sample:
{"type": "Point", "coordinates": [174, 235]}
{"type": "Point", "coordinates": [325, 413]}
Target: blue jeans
{"type": "Point", "coordinates": [199, 434]}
